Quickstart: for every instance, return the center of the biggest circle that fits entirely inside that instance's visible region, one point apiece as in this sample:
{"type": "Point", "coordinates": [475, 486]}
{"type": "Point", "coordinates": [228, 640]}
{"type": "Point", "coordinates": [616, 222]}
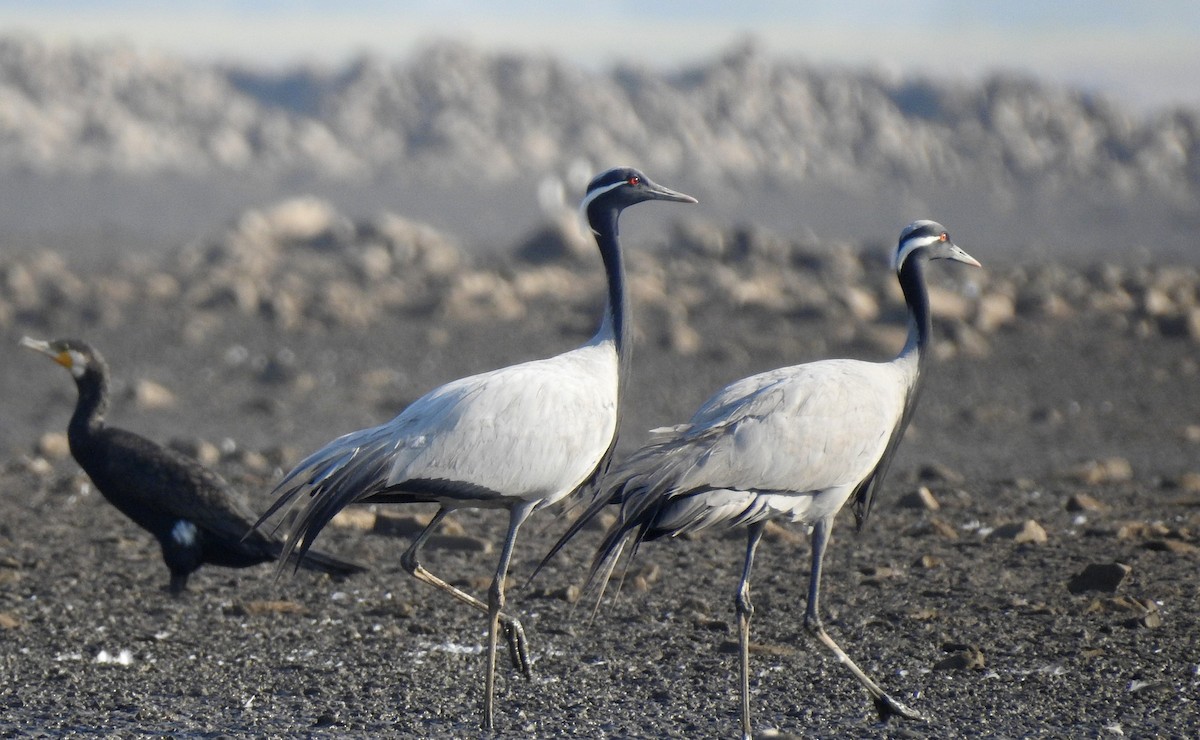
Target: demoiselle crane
{"type": "Point", "coordinates": [518, 438]}
{"type": "Point", "coordinates": [794, 443]}
{"type": "Point", "coordinates": [187, 507]}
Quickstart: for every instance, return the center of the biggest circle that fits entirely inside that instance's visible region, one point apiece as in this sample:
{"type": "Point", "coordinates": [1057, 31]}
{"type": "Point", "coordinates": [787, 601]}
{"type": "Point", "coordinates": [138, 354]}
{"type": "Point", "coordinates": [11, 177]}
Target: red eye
{"type": "Point", "coordinates": [633, 180]}
{"type": "Point", "coordinates": [944, 237]}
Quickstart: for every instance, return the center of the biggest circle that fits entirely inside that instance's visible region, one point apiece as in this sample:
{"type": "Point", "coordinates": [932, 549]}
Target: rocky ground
{"type": "Point", "coordinates": [1029, 571]}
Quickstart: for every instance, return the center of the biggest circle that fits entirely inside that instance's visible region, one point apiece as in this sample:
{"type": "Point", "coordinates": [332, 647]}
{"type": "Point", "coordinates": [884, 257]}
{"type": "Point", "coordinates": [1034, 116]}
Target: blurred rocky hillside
{"type": "Point", "coordinates": [454, 112]}
{"type": "Point", "coordinates": [301, 267]}
{"type": "Point", "coordinates": [743, 122]}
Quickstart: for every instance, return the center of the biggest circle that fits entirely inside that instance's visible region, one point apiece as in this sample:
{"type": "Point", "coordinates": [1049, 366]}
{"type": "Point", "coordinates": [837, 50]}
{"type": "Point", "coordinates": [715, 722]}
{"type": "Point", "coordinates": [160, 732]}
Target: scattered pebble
{"type": "Point", "coordinates": [124, 657]}
{"type": "Point", "coordinates": [357, 518]}
{"type": "Point", "coordinates": [876, 575]}
{"type": "Point", "coordinates": [960, 658]}
{"type": "Point", "coordinates": [643, 576]}
{"type": "Point", "coordinates": [938, 472]}
{"type": "Point", "coordinates": [1022, 533]}
{"type": "Point", "coordinates": [776, 532]}
{"type": "Point", "coordinates": [1099, 577]}
{"type": "Point", "coordinates": [922, 498]}
{"type": "Point", "coordinates": [928, 562]}
{"type": "Point", "coordinates": [879, 571]}
{"type": "Point", "coordinates": [1084, 502]}
{"type": "Point", "coordinates": [943, 528]}
{"type": "Point", "coordinates": [569, 593]}
{"type": "Point", "coordinates": [1121, 605]}
{"type": "Point", "coordinates": [1101, 472]}
{"type": "Point", "coordinates": [1142, 530]}
{"type": "Point", "coordinates": [935, 526]}
{"type": "Point", "coordinates": [53, 446]}
{"type": "Point", "coordinates": [1171, 545]}
{"type": "Point", "coordinates": [149, 395]}
{"type": "Point", "coordinates": [1189, 482]}
{"type": "Point", "coordinates": [730, 647]}
{"type": "Point", "coordinates": [203, 451]}
{"type": "Point", "coordinates": [36, 465]}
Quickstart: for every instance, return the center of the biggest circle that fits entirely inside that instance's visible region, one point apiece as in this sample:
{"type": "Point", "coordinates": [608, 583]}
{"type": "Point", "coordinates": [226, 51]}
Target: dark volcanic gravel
{"type": "Point", "coordinates": [955, 613]}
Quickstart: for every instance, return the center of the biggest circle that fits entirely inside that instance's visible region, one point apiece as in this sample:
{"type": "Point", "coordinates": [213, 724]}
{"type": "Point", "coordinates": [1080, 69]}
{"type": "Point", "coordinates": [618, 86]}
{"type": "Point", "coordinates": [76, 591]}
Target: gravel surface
{"type": "Point", "coordinates": [965, 612]}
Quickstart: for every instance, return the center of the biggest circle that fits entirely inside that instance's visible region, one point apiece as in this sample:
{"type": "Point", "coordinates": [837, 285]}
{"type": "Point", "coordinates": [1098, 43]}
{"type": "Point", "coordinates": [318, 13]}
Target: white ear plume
{"type": "Point", "coordinates": [591, 196]}
{"type": "Point", "coordinates": [910, 245]}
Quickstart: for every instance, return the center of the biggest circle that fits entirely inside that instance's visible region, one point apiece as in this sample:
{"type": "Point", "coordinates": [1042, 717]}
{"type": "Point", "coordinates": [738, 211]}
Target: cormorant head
{"type": "Point", "coordinates": [931, 240]}
{"type": "Point", "coordinates": [75, 355]}
{"type": "Point", "coordinates": [621, 187]}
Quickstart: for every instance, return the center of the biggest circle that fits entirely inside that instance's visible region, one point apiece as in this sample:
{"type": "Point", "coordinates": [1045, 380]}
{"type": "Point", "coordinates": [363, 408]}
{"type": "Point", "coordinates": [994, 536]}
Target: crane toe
{"type": "Point", "coordinates": [887, 707]}
{"type": "Point", "coordinates": [518, 647]}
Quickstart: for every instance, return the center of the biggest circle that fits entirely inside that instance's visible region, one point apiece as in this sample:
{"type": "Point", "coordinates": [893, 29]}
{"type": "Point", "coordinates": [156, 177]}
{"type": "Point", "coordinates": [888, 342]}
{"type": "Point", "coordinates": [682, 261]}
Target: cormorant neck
{"type": "Point", "coordinates": [90, 408]}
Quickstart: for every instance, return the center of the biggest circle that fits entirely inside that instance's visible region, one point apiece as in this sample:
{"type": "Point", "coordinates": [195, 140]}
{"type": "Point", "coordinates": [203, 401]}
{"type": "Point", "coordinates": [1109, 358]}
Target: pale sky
{"type": "Point", "coordinates": [1146, 54]}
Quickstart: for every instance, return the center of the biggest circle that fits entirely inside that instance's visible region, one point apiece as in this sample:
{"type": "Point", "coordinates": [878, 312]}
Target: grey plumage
{"type": "Point", "coordinates": [517, 438]}
{"type": "Point", "coordinates": [794, 443]}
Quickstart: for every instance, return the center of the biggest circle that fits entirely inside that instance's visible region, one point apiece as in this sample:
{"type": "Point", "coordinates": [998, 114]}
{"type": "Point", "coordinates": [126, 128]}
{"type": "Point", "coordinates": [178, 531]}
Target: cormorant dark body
{"type": "Point", "coordinates": [187, 507]}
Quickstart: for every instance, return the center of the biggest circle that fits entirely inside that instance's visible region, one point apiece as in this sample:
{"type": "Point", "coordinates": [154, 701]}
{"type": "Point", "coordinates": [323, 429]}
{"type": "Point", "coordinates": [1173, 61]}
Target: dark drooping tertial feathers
{"type": "Point", "coordinates": [796, 443]}
{"type": "Point", "coordinates": [518, 438]}
{"type": "Point", "coordinates": [187, 507]}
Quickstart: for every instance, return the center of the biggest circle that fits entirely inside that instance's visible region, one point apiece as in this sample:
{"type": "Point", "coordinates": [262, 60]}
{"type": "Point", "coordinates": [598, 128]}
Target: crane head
{"type": "Point", "coordinates": [931, 239]}
{"type": "Point", "coordinates": [620, 187]}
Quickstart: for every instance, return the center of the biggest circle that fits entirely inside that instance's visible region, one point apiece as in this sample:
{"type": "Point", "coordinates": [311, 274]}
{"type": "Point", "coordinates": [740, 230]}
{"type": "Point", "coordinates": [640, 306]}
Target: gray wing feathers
{"type": "Point", "coordinates": [762, 447]}
{"type": "Point", "coordinates": [864, 495]}
{"type": "Point", "coordinates": [533, 432]}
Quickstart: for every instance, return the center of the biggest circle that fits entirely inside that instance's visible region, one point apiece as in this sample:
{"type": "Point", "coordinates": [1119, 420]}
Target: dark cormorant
{"type": "Point", "coordinates": [187, 507]}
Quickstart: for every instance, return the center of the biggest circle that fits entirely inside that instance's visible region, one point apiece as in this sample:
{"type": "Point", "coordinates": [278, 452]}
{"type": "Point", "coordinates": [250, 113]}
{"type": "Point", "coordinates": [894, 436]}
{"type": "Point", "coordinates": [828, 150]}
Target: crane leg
{"type": "Point", "coordinates": [745, 610]}
{"type": "Point", "coordinates": [516, 517]}
{"type": "Point", "coordinates": [884, 704]}
{"type": "Point", "coordinates": [514, 633]}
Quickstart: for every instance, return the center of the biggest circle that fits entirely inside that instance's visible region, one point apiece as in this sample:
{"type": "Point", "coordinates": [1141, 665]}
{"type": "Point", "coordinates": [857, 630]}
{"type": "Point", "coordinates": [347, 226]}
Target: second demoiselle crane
{"type": "Point", "coordinates": [518, 438]}
{"type": "Point", "coordinates": [794, 443]}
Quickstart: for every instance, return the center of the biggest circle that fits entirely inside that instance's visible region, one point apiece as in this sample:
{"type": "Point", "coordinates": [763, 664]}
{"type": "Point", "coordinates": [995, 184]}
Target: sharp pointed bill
{"type": "Point", "coordinates": [795, 443]}
{"type": "Point", "coordinates": [638, 187]}
{"type": "Point", "coordinates": [517, 438]}
{"type": "Point", "coordinates": [69, 357]}
{"type": "Point", "coordinates": [931, 236]}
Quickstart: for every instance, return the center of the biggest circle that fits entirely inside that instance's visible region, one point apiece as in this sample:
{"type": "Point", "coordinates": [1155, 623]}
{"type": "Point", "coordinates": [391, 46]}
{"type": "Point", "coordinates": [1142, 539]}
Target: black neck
{"type": "Point", "coordinates": [604, 224]}
{"type": "Point", "coordinates": [920, 324]}
{"type": "Point", "coordinates": [89, 410]}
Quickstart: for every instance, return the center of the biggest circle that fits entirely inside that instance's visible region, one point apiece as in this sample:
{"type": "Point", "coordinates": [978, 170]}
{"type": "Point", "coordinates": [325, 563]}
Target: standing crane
{"type": "Point", "coordinates": [794, 443]}
{"type": "Point", "coordinates": [518, 438]}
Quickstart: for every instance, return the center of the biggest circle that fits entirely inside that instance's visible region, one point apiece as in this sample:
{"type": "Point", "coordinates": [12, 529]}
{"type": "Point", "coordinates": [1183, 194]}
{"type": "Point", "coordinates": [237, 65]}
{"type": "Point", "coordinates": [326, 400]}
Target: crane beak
{"type": "Point", "coordinates": [958, 255]}
{"type": "Point", "coordinates": [658, 192]}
